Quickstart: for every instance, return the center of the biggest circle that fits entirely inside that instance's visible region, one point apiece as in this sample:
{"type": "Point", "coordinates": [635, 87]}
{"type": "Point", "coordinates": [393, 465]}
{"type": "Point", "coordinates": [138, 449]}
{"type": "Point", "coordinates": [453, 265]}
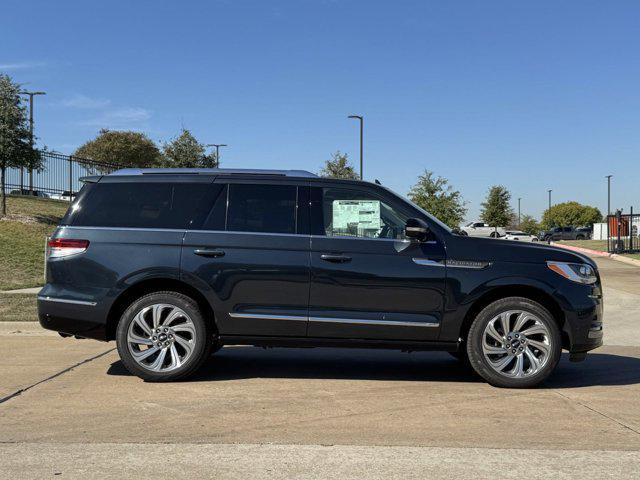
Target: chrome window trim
{"type": "Point", "coordinates": [66, 300]}
{"type": "Point", "coordinates": [251, 233]}
{"type": "Point", "coordinates": [192, 230]}
{"type": "Point", "coordinates": [138, 229]}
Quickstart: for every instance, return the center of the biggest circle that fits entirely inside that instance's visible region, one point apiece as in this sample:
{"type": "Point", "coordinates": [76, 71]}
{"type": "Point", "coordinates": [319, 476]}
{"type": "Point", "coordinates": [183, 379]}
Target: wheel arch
{"type": "Point", "coordinates": [145, 287]}
{"type": "Point", "coordinates": [526, 291]}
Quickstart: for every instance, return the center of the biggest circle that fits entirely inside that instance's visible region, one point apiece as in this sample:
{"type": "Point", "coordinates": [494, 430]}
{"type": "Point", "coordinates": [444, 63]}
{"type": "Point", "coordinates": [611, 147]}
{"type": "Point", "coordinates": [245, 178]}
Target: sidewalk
{"type": "Point", "coordinates": [33, 290]}
{"type": "Point", "coordinates": [598, 253]}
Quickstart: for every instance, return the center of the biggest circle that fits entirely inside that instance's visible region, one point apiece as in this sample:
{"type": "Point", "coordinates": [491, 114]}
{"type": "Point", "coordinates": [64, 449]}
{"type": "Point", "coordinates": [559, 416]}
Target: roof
{"type": "Point", "coordinates": [212, 171]}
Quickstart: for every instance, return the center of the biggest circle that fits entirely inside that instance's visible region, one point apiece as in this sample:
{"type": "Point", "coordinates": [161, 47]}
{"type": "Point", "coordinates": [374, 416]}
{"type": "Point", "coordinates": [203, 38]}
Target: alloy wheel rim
{"type": "Point", "coordinates": [161, 337]}
{"type": "Point", "coordinates": [516, 344]}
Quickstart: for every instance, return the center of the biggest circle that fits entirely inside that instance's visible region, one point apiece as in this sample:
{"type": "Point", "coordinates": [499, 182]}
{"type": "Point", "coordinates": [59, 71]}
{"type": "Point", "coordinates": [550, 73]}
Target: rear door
{"type": "Point", "coordinates": [251, 257]}
{"type": "Point", "coordinates": [367, 280]}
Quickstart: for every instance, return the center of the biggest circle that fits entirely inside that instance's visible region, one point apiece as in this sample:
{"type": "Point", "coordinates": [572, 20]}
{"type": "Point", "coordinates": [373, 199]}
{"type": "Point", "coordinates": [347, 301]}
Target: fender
{"type": "Point", "coordinates": [460, 303]}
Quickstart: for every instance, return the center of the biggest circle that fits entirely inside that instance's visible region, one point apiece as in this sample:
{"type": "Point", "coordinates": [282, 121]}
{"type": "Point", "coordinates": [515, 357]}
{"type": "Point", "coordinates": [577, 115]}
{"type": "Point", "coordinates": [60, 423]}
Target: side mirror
{"type": "Point", "coordinates": [416, 229]}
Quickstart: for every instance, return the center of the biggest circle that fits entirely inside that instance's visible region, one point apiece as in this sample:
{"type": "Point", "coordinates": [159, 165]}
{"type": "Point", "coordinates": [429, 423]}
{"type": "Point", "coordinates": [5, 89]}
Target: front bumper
{"type": "Point", "coordinates": [584, 325]}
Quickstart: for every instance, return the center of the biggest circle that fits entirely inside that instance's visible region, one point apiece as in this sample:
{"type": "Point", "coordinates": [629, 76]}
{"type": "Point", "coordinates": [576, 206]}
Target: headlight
{"type": "Point", "coordinates": [576, 272]}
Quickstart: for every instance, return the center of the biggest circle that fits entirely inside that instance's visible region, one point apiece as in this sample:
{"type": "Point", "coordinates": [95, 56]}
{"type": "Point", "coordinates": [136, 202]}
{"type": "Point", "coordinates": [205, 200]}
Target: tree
{"type": "Point", "coordinates": [15, 138]}
{"type": "Point", "coordinates": [570, 214]}
{"type": "Point", "coordinates": [338, 167]}
{"type": "Point", "coordinates": [496, 210]}
{"type": "Point", "coordinates": [529, 225]}
{"type": "Point", "coordinates": [437, 197]}
{"type": "Point", "coordinates": [185, 151]}
{"type": "Point", "coordinates": [123, 148]}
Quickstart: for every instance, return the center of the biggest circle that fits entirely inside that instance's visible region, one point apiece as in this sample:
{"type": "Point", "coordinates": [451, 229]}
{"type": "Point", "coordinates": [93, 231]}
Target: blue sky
{"type": "Point", "coordinates": [533, 95]}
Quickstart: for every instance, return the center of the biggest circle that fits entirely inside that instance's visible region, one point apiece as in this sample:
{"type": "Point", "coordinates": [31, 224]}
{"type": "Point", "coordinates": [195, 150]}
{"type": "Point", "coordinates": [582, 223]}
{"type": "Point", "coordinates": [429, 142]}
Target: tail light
{"type": "Point", "coordinates": [63, 247]}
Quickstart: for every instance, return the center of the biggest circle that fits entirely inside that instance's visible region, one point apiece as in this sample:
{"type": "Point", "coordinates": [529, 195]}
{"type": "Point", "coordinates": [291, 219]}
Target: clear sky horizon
{"type": "Point", "coordinates": [531, 95]}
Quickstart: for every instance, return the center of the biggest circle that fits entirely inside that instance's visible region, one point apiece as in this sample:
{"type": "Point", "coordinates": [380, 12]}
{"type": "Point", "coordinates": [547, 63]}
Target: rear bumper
{"type": "Point", "coordinates": [84, 316]}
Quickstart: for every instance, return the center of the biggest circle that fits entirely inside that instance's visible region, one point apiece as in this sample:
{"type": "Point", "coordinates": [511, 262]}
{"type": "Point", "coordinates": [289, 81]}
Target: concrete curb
{"type": "Point", "coordinates": [598, 253]}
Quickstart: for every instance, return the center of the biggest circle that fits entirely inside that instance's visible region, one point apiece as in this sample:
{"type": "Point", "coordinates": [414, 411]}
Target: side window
{"type": "Point", "coordinates": [354, 213]}
{"type": "Point", "coordinates": [567, 229]}
{"type": "Point", "coordinates": [262, 208]}
{"type": "Point", "coordinates": [557, 230]}
{"type": "Point", "coordinates": [216, 217]}
{"type": "Point", "coordinates": [138, 205]}
{"type": "Point", "coordinates": [478, 225]}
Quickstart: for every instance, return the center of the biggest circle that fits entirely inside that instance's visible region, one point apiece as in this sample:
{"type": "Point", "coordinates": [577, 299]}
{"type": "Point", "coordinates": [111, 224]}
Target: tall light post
{"type": "Point", "coordinates": [31, 95]}
{"type": "Point", "coordinates": [519, 211]}
{"type": "Point", "coordinates": [217, 145]}
{"type": "Point", "coordinates": [359, 117]}
{"type": "Point", "coordinates": [608, 177]}
{"type": "Point", "coordinates": [549, 198]}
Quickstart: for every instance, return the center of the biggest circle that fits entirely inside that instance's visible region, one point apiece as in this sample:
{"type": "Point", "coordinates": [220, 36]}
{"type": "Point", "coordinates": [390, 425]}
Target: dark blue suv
{"type": "Point", "coordinates": [174, 264]}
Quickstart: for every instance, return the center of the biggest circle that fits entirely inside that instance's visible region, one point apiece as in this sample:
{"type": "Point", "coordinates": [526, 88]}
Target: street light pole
{"type": "Point", "coordinates": [519, 211]}
{"type": "Point", "coordinates": [549, 198]}
{"type": "Point", "coordinates": [217, 145]}
{"type": "Point", "coordinates": [608, 177]}
{"type": "Point", "coordinates": [359, 117]}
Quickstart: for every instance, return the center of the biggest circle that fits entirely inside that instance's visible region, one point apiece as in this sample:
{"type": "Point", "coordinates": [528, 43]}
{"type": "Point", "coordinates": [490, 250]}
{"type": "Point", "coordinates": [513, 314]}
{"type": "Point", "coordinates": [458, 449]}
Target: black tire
{"type": "Point", "coordinates": [579, 237]}
{"type": "Point", "coordinates": [494, 235]}
{"type": "Point", "coordinates": [474, 343]}
{"type": "Point", "coordinates": [203, 337]}
{"type": "Point", "coordinates": [464, 233]}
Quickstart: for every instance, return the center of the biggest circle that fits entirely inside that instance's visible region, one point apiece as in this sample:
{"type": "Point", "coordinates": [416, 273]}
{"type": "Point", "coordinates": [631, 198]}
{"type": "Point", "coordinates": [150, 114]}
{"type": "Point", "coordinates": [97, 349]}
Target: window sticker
{"type": "Point", "coordinates": [356, 217]}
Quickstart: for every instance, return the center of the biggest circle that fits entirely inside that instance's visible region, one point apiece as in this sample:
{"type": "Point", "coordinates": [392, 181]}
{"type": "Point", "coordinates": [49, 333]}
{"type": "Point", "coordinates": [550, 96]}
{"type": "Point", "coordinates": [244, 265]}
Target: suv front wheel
{"type": "Point", "coordinates": [163, 337]}
{"type": "Point", "coordinates": [514, 343]}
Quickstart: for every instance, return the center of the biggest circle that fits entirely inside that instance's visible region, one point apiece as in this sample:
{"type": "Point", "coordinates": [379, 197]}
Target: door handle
{"type": "Point", "coordinates": [335, 258]}
{"type": "Point", "coordinates": [209, 252]}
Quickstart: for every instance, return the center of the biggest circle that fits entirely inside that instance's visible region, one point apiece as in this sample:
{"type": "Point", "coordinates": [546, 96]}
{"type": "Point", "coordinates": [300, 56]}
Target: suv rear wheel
{"type": "Point", "coordinates": [163, 337]}
{"type": "Point", "coordinates": [514, 343]}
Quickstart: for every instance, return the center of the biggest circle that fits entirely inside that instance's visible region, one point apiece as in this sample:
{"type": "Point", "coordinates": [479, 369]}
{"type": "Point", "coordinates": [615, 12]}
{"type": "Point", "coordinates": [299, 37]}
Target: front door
{"type": "Point", "coordinates": [367, 280]}
{"type": "Point", "coordinates": [251, 258]}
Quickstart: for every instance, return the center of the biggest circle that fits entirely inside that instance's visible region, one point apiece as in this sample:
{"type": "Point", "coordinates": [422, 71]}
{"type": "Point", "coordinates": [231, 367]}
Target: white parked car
{"type": "Point", "coordinates": [66, 196]}
{"type": "Point", "coordinates": [518, 235]}
{"type": "Point", "coordinates": [481, 229]}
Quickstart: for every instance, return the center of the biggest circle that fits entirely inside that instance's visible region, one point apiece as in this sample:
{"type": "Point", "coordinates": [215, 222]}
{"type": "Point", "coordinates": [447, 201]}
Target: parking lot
{"type": "Point", "coordinates": [69, 408]}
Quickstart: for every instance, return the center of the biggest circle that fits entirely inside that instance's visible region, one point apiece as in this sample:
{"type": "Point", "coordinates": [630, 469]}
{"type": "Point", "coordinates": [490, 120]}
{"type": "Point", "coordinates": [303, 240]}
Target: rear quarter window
{"type": "Point", "coordinates": [138, 205]}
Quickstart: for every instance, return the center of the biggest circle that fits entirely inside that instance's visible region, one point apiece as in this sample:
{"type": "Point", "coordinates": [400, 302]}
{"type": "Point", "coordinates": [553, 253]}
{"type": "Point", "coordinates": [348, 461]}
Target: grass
{"type": "Point", "coordinates": [599, 245]}
{"type": "Point", "coordinates": [22, 236]}
{"type": "Point", "coordinates": [18, 307]}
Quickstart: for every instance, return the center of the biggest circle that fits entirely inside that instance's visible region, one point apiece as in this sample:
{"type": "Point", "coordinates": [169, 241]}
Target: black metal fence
{"type": "Point", "coordinates": [59, 176]}
{"type": "Point", "coordinates": [624, 232]}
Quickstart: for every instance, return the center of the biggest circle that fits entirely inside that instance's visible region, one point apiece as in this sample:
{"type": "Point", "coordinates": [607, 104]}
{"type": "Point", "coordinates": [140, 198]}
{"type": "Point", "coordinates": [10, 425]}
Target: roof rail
{"type": "Point", "coordinates": [212, 171]}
